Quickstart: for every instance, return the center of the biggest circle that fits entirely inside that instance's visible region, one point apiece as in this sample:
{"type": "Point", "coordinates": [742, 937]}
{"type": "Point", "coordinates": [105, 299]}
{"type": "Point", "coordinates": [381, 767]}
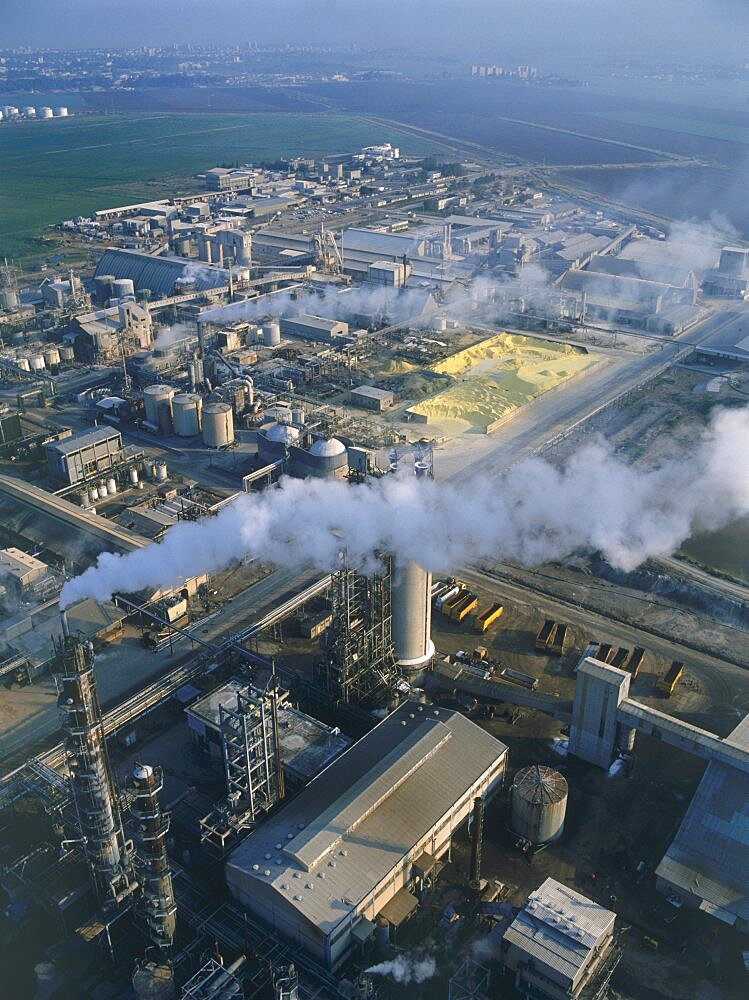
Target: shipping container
{"type": "Point", "coordinates": [463, 607]}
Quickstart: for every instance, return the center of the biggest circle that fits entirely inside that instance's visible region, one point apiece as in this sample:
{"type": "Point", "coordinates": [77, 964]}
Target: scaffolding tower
{"type": "Point", "coordinates": [470, 982]}
{"type": "Point", "coordinates": [358, 659]}
{"type": "Point", "coordinates": [252, 766]}
{"type": "Point", "coordinates": [95, 797]}
{"type": "Point", "coordinates": [157, 907]}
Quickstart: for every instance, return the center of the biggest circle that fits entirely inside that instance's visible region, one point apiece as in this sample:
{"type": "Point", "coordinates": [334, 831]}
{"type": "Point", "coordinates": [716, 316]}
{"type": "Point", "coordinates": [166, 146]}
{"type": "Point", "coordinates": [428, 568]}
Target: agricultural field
{"type": "Point", "coordinates": [59, 169]}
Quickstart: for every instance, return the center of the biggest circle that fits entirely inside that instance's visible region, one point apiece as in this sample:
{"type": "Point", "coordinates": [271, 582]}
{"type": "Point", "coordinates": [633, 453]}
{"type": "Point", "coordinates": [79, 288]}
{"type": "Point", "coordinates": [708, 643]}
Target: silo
{"type": "Point", "coordinates": [36, 362]}
{"type": "Point", "coordinates": [538, 803]}
{"type": "Point", "coordinates": [67, 354]}
{"type": "Point", "coordinates": [124, 287]}
{"type": "Point", "coordinates": [161, 472]}
{"type": "Point", "coordinates": [186, 409]}
{"type": "Point", "coordinates": [412, 615]}
{"type": "Point", "coordinates": [104, 284]}
{"type": "Point", "coordinates": [61, 112]}
{"type": "Point", "coordinates": [218, 425]}
{"type": "Point", "coordinates": [23, 364]}
{"type": "Point", "coordinates": [51, 356]}
{"type": "Point", "coordinates": [326, 458]}
{"type": "Point", "coordinates": [111, 486]}
{"type": "Point", "coordinates": [45, 113]}
{"type": "Point", "coordinates": [134, 477]}
{"type": "Point", "coordinates": [271, 334]}
{"type": "Point", "coordinates": [158, 403]}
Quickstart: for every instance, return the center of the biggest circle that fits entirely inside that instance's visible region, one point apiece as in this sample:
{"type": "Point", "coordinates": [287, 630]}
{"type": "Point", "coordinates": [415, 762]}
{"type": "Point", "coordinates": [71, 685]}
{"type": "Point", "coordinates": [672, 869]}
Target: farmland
{"type": "Point", "coordinates": [59, 169]}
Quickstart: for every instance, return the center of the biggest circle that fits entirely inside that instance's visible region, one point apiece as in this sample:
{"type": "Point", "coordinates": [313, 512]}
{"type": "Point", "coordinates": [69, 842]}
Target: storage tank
{"type": "Point", "coordinates": [298, 416]}
{"type": "Point", "coordinates": [94, 494]}
{"type": "Point", "coordinates": [103, 491]}
{"type": "Point", "coordinates": [67, 354]}
{"type": "Point", "coordinates": [218, 425]}
{"type": "Point", "coordinates": [61, 112]}
{"type": "Point", "coordinates": [538, 804]}
{"type": "Point", "coordinates": [161, 472]}
{"type": "Point", "coordinates": [51, 357]}
{"type": "Point", "coordinates": [29, 112]}
{"type": "Point", "coordinates": [45, 113]}
{"type": "Point", "coordinates": [111, 486]}
{"type": "Point", "coordinates": [123, 287]}
{"type": "Point", "coordinates": [271, 334]}
{"type": "Point", "coordinates": [134, 477]}
{"type": "Point", "coordinates": [36, 362]}
{"type": "Point", "coordinates": [154, 982]}
{"type": "Point", "coordinates": [85, 498]}
{"type": "Point", "coordinates": [158, 402]}
{"type": "Point", "coordinates": [104, 284]}
{"type": "Point", "coordinates": [326, 458]}
{"type": "Point", "coordinates": [23, 363]}
{"type": "Point", "coordinates": [186, 411]}
{"type": "Point", "coordinates": [412, 615]}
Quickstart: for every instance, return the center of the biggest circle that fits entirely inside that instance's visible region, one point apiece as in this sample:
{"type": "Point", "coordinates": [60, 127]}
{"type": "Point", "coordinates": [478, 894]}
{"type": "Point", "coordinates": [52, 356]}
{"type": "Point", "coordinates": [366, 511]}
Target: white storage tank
{"type": "Point", "coordinates": [412, 615]}
{"type": "Point", "coordinates": [538, 804]}
{"type": "Point", "coordinates": [218, 425]}
{"type": "Point", "coordinates": [85, 498]}
{"type": "Point", "coordinates": [36, 362]}
{"type": "Point", "coordinates": [161, 472]}
{"type": "Point", "coordinates": [94, 493]}
{"type": "Point", "coordinates": [271, 334]}
{"type": "Point", "coordinates": [45, 113]}
{"type": "Point", "coordinates": [124, 287]}
{"type": "Point", "coordinates": [111, 486]}
{"type": "Point", "coordinates": [158, 403]}
{"type": "Point", "coordinates": [103, 489]}
{"type": "Point", "coordinates": [51, 357]}
{"type": "Point", "coordinates": [67, 354]}
{"type": "Point", "coordinates": [186, 413]}
{"type": "Point", "coordinates": [134, 477]}
{"type": "Point", "coordinates": [61, 112]}
{"type": "Point", "coordinates": [298, 416]}
{"type": "Point", "coordinates": [29, 112]}
{"type": "Point", "coordinates": [23, 363]}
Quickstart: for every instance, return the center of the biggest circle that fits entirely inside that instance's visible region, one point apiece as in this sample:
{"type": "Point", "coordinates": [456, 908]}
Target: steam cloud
{"type": "Point", "coordinates": [534, 513]}
{"type": "Point", "coordinates": [404, 969]}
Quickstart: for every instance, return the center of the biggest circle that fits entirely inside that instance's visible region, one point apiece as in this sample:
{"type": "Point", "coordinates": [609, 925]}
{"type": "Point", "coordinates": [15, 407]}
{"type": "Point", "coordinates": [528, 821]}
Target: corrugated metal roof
{"type": "Point", "coordinates": [159, 274]}
{"type": "Point", "coordinates": [78, 441]}
{"type": "Point", "coordinates": [383, 244]}
{"type": "Point", "coordinates": [362, 815]}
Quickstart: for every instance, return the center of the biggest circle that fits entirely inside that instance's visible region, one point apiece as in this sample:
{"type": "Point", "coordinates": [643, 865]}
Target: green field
{"type": "Point", "coordinates": [50, 171]}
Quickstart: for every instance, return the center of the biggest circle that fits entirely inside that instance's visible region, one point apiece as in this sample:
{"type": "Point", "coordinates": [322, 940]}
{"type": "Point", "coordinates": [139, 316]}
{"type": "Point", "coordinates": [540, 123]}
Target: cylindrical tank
{"type": "Point", "coordinates": [154, 982]}
{"type": "Point", "coordinates": [412, 615]}
{"type": "Point", "coordinates": [23, 363]}
{"type": "Point", "coordinates": [298, 415]}
{"type": "Point", "coordinates": [186, 411]}
{"type": "Point", "coordinates": [103, 491]}
{"type": "Point", "coordinates": [51, 356]}
{"type": "Point", "coordinates": [158, 402]}
{"type": "Point", "coordinates": [326, 458]}
{"type": "Point", "coordinates": [271, 334]}
{"type": "Point", "coordinates": [134, 477]}
{"type": "Point", "coordinates": [36, 362]}
{"type": "Point", "coordinates": [123, 287]}
{"type": "Point", "coordinates": [104, 284]}
{"type": "Point", "coordinates": [218, 425]}
{"type": "Point", "coordinates": [94, 493]}
{"type": "Point", "coordinates": [45, 113]}
{"type": "Point", "coordinates": [67, 353]}
{"type": "Point", "coordinates": [29, 112]}
{"type": "Point", "coordinates": [61, 112]}
{"type": "Point", "coordinates": [538, 803]}
{"type": "Point", "coordinates": [111, 486]}
{"type": "Point", "coordinates": [182, 247]}
{"type": "Point", "coordinates": [9, 299]}
{"type": "Point", "coordinates": [161, 472]}
{"type": "Point", "coordinates": [85, 498]}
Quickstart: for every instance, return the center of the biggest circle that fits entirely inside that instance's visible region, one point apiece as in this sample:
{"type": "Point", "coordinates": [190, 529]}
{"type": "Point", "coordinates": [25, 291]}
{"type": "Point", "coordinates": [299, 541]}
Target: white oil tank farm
{"type": "Point", "coordinates": [218, 425]}
{"type": "Point", "coordinates": [412, 616]}
{"type": "Point", "coordinates": [538, 804]}
{"type": "Point", "coordinates": [158, 403]}
{"type": "Point", "coordinates": [186, 413]}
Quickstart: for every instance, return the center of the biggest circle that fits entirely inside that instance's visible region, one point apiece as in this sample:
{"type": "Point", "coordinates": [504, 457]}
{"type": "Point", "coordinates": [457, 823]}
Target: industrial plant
{"type": "Point", "coordinates": [349, 634]}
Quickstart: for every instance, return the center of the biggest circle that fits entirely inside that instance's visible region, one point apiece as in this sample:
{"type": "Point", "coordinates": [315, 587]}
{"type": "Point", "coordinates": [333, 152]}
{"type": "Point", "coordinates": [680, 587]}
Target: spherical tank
{"type": "Point", "coordinates": [154, 982]}
{"type": "Point", "coordinates": [218, 425]}
{"type": "Point", "coordinates": [158, 402]}
{"type": "Point", "coordinates": [539, 804]}
{"type": "Point", "coordinates": [412, 615]}
{"type": "Point", "coordinates": [271, 334]}
{"type": "Point", "coordinates": [186, 412]}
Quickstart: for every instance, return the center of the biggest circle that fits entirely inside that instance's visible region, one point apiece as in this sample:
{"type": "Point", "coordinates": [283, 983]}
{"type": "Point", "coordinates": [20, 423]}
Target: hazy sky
{"type": "Point", "coordinates": [704, 30]}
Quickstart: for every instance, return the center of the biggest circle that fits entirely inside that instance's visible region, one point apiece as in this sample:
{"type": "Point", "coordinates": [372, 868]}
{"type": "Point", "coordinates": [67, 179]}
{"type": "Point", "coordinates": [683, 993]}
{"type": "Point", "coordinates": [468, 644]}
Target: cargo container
{"type": "Point", "coordinates": [671, 678]}
{"type": "Point", "coordinates": [488, 616]}
{"type": "Point", "coordinates": [463, 607]}
{"type": "Point", "coordinates": [516, 677]}
{"type": "Point", "coordinates": [558, 640]}
{"type": "Point", "coordinates": [635, 661]}
{"type": "Point", "coordinates": [544, 634]}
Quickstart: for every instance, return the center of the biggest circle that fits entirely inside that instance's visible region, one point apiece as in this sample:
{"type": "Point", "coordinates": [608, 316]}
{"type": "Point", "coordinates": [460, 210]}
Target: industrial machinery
{"type": "Point", "coordinates": [156, 905]}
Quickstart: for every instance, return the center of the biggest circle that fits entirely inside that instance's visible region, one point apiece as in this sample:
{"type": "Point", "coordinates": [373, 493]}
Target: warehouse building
{"type": "Point", "coordinates": [367, 830]}
{"type": "Point", "coordinates": [159, 276]}
{"type": "Point", "coordinates": [369, 397]}
{"type": "Point", "coordinates": [561, 945]}
{"type": "Point", "coordinates": [313, 328]}
{"type": "Point", "coordinates": [23, 568]}
{"type": "Point", "coordinates": [77, 458]}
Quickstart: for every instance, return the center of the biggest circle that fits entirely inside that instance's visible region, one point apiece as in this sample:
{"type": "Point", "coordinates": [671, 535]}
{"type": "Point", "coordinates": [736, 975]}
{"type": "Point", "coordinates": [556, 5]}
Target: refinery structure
{"type": "Point", "coordinates": [299, 778]}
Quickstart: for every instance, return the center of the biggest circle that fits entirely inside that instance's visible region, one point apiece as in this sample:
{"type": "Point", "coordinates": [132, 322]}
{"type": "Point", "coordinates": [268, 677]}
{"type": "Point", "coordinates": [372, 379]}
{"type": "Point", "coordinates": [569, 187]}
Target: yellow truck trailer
{"type": "Point", "coordinates": [487, 617]}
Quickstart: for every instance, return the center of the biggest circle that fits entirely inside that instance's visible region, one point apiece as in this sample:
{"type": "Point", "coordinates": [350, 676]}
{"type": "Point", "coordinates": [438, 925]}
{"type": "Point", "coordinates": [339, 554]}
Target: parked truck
{"type": "Point", "coordinates": [487, 617]}
{"type": "Point", "coordinates": [464, 606]}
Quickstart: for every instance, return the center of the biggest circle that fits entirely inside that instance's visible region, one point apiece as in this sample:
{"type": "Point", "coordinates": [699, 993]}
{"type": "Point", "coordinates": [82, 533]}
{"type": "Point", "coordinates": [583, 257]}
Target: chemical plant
{"type": "Point", "coordinates": [271, 779]}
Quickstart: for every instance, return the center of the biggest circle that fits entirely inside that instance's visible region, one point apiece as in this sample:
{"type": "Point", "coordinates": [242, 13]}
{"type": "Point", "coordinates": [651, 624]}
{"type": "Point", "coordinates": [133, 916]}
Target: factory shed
{"type": "Point", "coordinates": [77, 458]}
{"type": "Point", "coordinates": [159, 274]}
{"type": "Point", "coordinates": [371, 398]}
{"type": "Point", "coordinates": [339, 852]}
{"type": "Point", "coordinates": [376, 245]}
{"type": "Point", "coordinates": [313, 328]}
{"type": "Point", "coordinates": [707, 865]}
{"type": "Point", "coordinates": [560, 944]}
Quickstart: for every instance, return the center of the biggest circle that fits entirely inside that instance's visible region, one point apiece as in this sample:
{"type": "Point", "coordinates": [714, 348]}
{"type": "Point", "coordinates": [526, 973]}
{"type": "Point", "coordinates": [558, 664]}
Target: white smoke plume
{"type": "Point", "coordinates": [534, 513]}
{"type": "Point", "coordinates": [405, 969]}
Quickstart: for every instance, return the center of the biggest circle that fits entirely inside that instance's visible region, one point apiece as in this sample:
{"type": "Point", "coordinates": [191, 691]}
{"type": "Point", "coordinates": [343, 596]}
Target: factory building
{"type": "Point", "coordinates": [23, 568]}
{"type": "Point", "coordinates": [224, 245]}
{"type": "Point", "coordinates": [224, 179]}
{"type": "Point", "coordinates": [731, 277]}
{"type": "Point", "coordinates": [646, 305]}
{"type": "Point", "coordinates": [707, 865]}
{"type": "Point", "coordinates": [161, 276]}
{"type": "Point", "coordinates": [371, 398]}
{"type": "Point", "coordinates": [77, 458]}
{"type": "Point", "coordinates": [560, 945]}
{"type": "Point", "coordinates": [105, 335]}
{"type": "Point", "coordinates": [306, 746]}
{"type": "Point", "coordinates": [366, 830]}
{"type": "Point", "coordinates": [313, 328]}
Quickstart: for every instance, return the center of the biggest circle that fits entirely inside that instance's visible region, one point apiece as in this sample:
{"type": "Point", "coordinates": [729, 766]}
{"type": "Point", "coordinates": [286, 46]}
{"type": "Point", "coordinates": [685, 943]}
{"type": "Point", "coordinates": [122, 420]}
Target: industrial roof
{"type": "Point", "coordinates": [560, 927]}
{"type": "Point", "coordinates": [315, 322]}
{"type": "Point", "coordinates": [159, 274]}
{"type": "Point", "coordinates": [383, 244]}
{"type": "Point", "coordinates": [327, 448]}
{"type": "Point", "coordinates": [326, 850]}
{"type": "Point", "coordinates": [669, 274]}
{"type": "Point", "coordinates": [372, 392]}
{"type": "Point", "coordinates": [85, 440]}
{"type": "Point", "coordinates": [709, 857]}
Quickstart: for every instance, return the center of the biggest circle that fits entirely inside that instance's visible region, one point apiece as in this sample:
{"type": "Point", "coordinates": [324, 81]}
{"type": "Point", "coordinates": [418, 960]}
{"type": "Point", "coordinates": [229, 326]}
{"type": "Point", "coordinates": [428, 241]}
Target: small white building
{"type": "Point", "coordinates": [24, 569]}
{"type": "Point", "coordinates": [366, 831]}
{"type": "Point", "coordinates": [560, 944]}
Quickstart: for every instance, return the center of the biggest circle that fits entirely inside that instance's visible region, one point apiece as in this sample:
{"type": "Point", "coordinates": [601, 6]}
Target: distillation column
{"type": "Point", "coordinates": [158, 907]}
{"type": "Point", "coordinates": [94, 794]}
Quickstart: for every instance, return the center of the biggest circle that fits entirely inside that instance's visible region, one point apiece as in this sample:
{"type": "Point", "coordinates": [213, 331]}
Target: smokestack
{"type": "Point", "coordinates": [477, 837]}
{"type": "Point", "coordinates": [64, 624]}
